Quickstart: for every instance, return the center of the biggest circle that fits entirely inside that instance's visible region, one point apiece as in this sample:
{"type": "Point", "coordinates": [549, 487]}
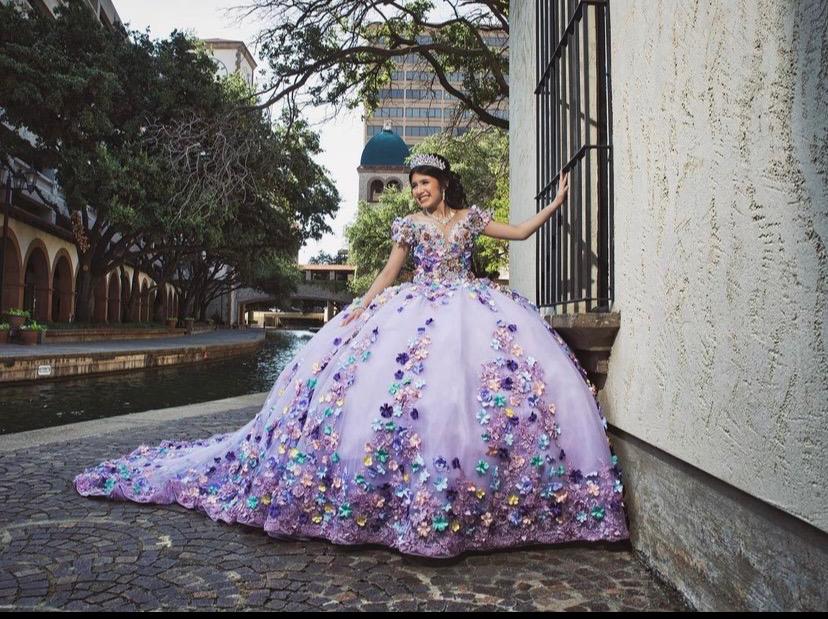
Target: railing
{"type": "Point", "coordinates": [575, 270]}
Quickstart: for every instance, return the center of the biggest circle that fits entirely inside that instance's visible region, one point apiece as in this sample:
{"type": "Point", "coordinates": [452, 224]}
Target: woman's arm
{"type": "Point", "coordinates": [388, 274]}
{"type": "Point", "coordinates": [386, 277]}
{"type": "Point", "coordinates": [525, 229]}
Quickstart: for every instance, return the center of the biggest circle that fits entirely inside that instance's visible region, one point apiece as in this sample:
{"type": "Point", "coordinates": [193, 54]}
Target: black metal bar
{"type": "Point", "coordinates": [588, 164]}
{"type": "Point", "coordinates": [574, 180]}
{"type": "Point", "coordinates": [541, 243]}
{"type": "Point", "coordinates": [610, 183]}
{"type": "Point", "coordinates": [603, 251]}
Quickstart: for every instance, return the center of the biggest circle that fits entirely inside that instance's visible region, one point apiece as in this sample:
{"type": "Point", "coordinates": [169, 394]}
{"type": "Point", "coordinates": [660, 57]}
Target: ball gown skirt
{"type": "Point", "coordinates": [448, 417]}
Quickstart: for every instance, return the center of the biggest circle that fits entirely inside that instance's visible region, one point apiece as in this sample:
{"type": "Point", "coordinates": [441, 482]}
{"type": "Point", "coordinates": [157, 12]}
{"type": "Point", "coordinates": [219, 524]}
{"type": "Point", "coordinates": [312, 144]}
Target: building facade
{"type": "Point", "coordinates": [232, 57]}
{"type": "Point", "coordinates": [710, 188]}
{"type": "Point", "coordinates": [416, 105]}
{"type": "Point", "coordinates": [40, 260]}
{"type": "Point", "coordinates": [382, 164]}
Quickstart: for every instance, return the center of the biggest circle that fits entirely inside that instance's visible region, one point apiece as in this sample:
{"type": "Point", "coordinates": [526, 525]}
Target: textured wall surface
{"type": "Point", "coordinates": [721, 152]}
{"type": "Point", "coordinates": [720, 136]}
{"type": "Point", "coordinates": [522, 146]}
{"type": "Point", "coordinates": [723, 549]}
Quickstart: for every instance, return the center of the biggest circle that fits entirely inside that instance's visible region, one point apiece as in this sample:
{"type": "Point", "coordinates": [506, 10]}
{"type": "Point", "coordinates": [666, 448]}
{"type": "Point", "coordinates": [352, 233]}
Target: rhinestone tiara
{"type": "Point", "coordinates": [418, 160]}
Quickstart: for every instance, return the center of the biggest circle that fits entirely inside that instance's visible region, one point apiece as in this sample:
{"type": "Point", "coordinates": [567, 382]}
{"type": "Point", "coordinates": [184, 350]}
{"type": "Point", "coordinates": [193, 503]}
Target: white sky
{"type": "Point", "coordinates": [341, 139]}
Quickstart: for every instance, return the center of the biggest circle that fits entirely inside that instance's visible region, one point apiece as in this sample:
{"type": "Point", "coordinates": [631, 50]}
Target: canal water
{"type": "Point", "coordinates": [55, 403]}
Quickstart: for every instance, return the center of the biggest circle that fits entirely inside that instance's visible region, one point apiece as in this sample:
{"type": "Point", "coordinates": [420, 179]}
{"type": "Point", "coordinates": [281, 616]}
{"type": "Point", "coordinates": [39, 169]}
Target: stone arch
{"type": "Point", "coordinates": [375, 188]}
{"type": "Point", "coordinates": [62, 287]}
{"type": "Point", "coordinates": [144, 300]}
{"type": "Point", "coordinates": [36, 281]}
{"type": "Point", "coordinates": [126, 288]}
{"type": "Point", "coordinates": [153, 294]}
{"type": "Point", "coordinates": [113, 313]}
{"type": "Point", "coordinates": [12, 293]}
{"type": "Point", "coordinates": [99, 313]}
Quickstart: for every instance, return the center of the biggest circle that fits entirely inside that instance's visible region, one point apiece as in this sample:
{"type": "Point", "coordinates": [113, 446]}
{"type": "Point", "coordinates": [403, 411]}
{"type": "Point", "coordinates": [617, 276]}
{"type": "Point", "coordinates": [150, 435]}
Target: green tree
{"type": "Point", "coordinates": [153, 155]}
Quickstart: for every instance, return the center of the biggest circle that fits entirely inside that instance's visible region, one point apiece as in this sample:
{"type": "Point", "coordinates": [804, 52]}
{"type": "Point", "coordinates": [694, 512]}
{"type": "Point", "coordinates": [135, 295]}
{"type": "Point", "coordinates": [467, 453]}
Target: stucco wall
{"type": "Point", "coordinates": [721, 147]}
{"type": "Point", "coordinates": [522, 146]}
{"type": "Point", "coordinates": [721, 152]}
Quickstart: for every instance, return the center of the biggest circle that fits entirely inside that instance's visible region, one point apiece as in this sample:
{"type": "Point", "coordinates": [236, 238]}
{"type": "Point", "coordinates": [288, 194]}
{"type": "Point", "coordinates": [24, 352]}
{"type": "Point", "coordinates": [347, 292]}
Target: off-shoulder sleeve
{"type": "Point", "coordinates": [402, 231]}
{"type": "Point", "coordinates": [478, 218]}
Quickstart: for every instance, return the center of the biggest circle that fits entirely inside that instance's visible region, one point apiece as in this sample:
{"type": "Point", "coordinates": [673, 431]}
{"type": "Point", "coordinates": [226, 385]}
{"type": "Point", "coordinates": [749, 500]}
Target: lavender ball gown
{"type": "Point", "coordinates": [448, 417]}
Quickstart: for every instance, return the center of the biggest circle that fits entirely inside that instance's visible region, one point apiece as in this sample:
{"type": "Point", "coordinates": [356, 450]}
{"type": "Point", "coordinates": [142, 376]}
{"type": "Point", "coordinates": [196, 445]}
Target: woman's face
{"type": "Point", "coordinates": [426, 190]}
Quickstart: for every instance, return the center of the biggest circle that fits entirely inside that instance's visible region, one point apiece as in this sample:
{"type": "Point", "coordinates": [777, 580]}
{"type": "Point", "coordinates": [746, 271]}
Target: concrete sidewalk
{"type": "Point", "coordinates": [59, 550]}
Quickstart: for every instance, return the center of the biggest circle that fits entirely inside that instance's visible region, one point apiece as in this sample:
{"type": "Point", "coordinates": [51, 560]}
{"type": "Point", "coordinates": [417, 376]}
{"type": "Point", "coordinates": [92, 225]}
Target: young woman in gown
{"type": "Point", "coordinates": [435, 416]}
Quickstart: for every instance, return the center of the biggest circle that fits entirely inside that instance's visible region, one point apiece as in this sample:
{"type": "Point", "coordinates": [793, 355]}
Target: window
{"type": "Point", "coordinates": [423, 93]}
{"type": "Point", "coordinates": [374, 190]}
{"type": "Point", "coordinates": [423, 112]}
{"type": "Point", "coordinates": [574, 115]}
{"type": "Point", "coordinates": [422, 131]}
{"type": "Point", "coordinates": [421, 76]}
{"type": "Point", "coordinates": [391, 93]}
{"type": "Point", "coordinates": [389, 112]}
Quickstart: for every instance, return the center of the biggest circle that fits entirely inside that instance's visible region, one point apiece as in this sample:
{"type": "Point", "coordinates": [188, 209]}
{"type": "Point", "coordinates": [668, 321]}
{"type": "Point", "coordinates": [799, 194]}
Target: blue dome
{"type": "Point", "coordinates": [386, 148]}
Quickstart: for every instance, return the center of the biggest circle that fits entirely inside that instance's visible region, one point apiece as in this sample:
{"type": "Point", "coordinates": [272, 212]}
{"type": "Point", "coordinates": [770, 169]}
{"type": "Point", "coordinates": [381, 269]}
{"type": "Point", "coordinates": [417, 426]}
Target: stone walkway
{"type": "Point", "coordinates": [219, 337]}
{"type": "Point", "coordinates": [59, 550]}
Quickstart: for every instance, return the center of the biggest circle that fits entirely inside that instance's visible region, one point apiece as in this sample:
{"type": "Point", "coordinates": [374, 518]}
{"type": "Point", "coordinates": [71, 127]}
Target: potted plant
{"type": "Point", "coordinates": [4, 332]}
{"type": "Point", "coordinates": [32, 333]}
{"type": "Point", "coordinates": [188, 323]}
{"type": "Point", "coordinates": [17, 317]}
{"type": "Point", "coordinates": [172, 321]}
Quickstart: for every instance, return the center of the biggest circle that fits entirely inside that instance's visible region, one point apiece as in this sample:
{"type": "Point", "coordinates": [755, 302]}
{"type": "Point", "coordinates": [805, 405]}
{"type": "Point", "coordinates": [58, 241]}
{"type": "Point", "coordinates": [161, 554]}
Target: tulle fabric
{"type": "Point", "coordinates": [448, 417]}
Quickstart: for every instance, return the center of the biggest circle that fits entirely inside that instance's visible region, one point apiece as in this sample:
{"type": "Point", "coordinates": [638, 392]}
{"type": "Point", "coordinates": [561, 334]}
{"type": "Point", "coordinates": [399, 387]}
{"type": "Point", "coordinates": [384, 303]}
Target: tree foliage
{"type": "Point", "coordinates": [342, 52]}
{"type": "Point", "coordinates": [160, 163]}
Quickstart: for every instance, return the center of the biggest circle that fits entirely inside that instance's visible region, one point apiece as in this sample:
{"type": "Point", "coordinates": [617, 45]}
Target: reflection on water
{"type": "Point", "coordinates": [54, 403]}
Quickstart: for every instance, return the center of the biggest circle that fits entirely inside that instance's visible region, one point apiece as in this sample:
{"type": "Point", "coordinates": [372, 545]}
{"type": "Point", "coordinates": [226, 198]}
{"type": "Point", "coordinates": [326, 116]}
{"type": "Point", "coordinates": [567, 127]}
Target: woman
{"type": "Point", "coordinates": [435, 416]}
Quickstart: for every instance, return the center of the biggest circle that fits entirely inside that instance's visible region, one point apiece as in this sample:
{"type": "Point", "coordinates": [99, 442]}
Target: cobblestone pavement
{"type": "Point", "coordinates": [59, 550]}
{"type": "Point", "coordinates": [219, 337]}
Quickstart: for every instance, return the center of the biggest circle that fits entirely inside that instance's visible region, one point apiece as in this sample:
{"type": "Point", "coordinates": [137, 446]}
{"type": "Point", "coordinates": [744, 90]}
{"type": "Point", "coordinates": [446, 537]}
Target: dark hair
{"type": "Point", "coordinates": [455, 194]}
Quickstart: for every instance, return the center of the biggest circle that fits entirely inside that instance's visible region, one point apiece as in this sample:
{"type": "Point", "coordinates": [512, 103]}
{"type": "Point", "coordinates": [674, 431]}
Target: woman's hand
{"type": "Point", "coordinates": [563, 188]}
{"type": "Point", "coordinates": [357, 311]}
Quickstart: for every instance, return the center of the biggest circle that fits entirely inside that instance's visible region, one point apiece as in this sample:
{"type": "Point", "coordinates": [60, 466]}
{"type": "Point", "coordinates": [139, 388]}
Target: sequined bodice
{"type": "Point", "coordinates": [440, 257]}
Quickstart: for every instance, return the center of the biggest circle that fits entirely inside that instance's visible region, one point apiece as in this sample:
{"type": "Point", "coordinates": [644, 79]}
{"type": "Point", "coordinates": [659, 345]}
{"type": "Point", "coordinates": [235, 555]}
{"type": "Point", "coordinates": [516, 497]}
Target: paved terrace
{"type": "Point", "coordinates": [59, 550]}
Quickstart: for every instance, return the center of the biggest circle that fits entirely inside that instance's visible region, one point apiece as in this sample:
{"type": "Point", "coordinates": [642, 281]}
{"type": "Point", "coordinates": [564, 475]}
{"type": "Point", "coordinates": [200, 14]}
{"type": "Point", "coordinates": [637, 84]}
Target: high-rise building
{"type": "Point", "coordinates": [415, 103]}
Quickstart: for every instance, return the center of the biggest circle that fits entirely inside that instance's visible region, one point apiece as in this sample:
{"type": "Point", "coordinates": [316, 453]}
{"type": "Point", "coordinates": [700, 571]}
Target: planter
{"type": "Point", "coordinates": [4, 337]}
{"type": "Point", "coordinates": [28, 337]}
{"type": "Point", "coordinates": [188, 324]}
{"type": "Point", "coordinates": [171, 322]}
